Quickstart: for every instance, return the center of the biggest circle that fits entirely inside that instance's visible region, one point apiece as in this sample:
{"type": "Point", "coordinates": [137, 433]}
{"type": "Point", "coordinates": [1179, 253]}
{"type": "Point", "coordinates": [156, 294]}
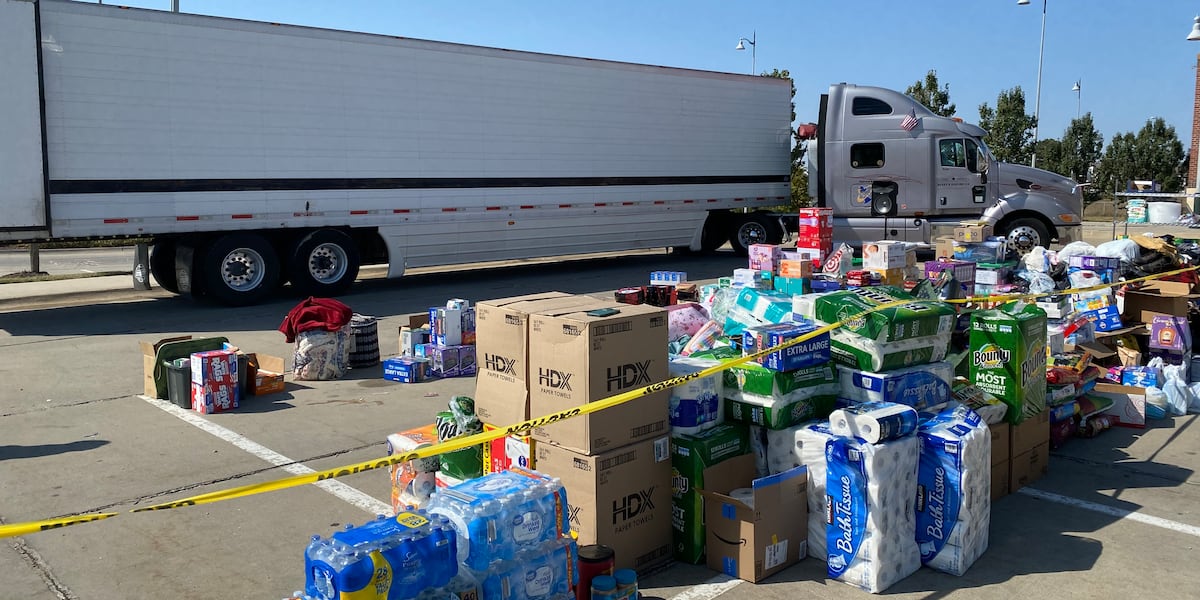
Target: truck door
{"type": "Point", "coordinates": [960, 187]}
{"type": "Point", "coordinates": [22, 167]}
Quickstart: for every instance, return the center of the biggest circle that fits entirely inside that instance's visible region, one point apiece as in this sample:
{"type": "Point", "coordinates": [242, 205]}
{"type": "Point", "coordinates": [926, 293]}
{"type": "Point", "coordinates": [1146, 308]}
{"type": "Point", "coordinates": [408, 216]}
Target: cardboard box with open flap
{"type": "Point", "coordinates": [265, 374]}
{"type": "Point", "coordinates": [1172, 298]}
{"type": "Point", "coordinates": [753, 543]}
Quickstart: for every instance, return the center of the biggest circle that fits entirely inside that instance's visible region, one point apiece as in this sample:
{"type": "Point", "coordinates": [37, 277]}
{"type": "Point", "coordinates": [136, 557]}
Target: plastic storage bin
{"type": "Point", "coordinates": [179, 381]}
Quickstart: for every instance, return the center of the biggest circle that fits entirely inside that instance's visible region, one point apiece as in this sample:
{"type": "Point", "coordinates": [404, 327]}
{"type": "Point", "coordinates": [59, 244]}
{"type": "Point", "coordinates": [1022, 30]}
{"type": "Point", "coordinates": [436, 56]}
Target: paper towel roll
{"type": "Point", "coordinates": [743, 495]}
{"type": "Point", "coordinates": [874, 421]}
{"type": "Point", "coordinates": [953, 509]}
{"type": "Point", "coordinates": [872, 488]}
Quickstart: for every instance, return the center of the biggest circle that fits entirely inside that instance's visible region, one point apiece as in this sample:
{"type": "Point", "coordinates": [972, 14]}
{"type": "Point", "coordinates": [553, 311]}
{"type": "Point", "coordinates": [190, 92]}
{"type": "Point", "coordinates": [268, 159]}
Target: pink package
{"type": "Point", "coordinates": [685, 319]}
{"type": "Point", "coordinates": [765, 257]}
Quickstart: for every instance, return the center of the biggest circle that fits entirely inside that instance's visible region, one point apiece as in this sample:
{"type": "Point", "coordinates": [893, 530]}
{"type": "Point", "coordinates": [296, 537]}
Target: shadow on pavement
{"type": "Point", "coordinates": [377, 297]}
{"type": "Point", "coordinates": [38, 450]}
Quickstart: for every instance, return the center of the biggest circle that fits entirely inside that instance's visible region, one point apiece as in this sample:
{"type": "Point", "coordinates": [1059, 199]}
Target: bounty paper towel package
{"type": "Point", "coordinates": [874, 422]}
{"type": "Point", "coordinates": [777, 400]}
{"type": "Point", "coordinates": [1008, 357]}
{"type": "Point", "coordinates": [919, 387]}
{"type": "Point", "coordinates": [953, 510]}
{"type": "Point", "coordinates": [690, 456]}
{"type": "Point", "coordinates": [698, 404]}
{"type": "Point", "coordinates": [870, 525]}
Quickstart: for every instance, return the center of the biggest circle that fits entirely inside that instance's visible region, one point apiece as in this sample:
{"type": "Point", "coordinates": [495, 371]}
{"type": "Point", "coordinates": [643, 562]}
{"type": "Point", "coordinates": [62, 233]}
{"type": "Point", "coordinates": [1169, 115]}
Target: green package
{"type": "Point", "coordinates": [753, 378]}
{"type": "Point", "coordinates": [690, 455]}
{"type": "Point", "coordinates": [466, 463]}
{"type": "Point", "coordinates": [777, 400]}
{"type": "Point", "coordinates": [854, 351]}
{"type": "Point", "coordinates": [1008, 357]}
{"type": "Point", "coordinates": [907, 321]}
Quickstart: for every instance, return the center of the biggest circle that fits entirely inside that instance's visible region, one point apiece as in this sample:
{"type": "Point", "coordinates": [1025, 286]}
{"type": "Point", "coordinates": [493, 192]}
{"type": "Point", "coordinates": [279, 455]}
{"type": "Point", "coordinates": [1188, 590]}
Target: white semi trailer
{"type": "Point", "coordinates": [254, 154]}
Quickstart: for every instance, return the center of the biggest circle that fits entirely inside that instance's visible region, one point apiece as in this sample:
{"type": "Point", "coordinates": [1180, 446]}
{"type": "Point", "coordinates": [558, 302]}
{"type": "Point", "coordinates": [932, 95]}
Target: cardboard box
{"type": "Point", "coordinates": [1129, 403]}
{"type": "Point", "coordinates": [577, 356]}
{"type": "Point", "coordinates": [972, 232]}
{"type": "Point", "coordinates": [1033, 431]}
{"type": "Point", "coordinates": [406, 369]}
{"type": "Point", "coordinates": [795, 269]}
{"type": "Point", "coordinates": [944, 248]}
{"type": "Point", "coordinates": [1105, 319]}
{"type": "Point", "coordinates": [764, 257]}
{"type": "Point", "coordinates": [809, 353]}
{"type": "Point", "coordinates": [1158, 297]}
{"type": "Point", "coordinates": [620, 498]}
{"type": "Point", "coordinates": [265, 373]}
{"type": "Point", "coordinates": [1028, 467]}
{"type": "Point", "coordinates": [690, 456]}
{"type": "Point", "coordinates": [215, 381]}
{"type": "Point", "coordinates": [1008, 357]}
{"type": "Point", "coordinates": [502, 454]}
{"type": "Point", "coordinates": [150, 362]}
{"type": "Point", "coordinates": [1000, 479]}
{"type": "Point", "coordinates": [885, 254]}
{"type": "Point", "coordinates": [1056, 307]}
{"type": "Point", "coordinates": [962, 270]}
{"type": "Point", "coordinates": [1001, 442]}
{"type": "Point", "coordinates": [755, 543]}
{"type": "Point", "coordinates": [889, 276]}
{"type": "Point", "coordinates": [502, 354]}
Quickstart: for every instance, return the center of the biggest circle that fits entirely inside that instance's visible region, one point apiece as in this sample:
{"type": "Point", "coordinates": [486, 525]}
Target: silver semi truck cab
{"type": "Point", "coordinates": [876, 149]}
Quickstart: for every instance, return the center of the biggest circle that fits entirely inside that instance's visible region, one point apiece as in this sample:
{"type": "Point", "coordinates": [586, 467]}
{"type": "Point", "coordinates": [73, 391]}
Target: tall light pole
{"type": "Point", "coordinates": [1077, 88]}
{"type": "Point", "coordinates": [1195, 147]}
{"type": "Point", "coordinates": [753, 50]}
{"type": "Point", "coordinates": [1037, 102]}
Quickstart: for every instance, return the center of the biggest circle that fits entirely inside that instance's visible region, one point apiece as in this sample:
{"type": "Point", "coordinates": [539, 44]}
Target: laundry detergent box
{"type": "Point", "coordinates": [690, 456]}
{"type": "Point", "coordinates": [1008, 357]}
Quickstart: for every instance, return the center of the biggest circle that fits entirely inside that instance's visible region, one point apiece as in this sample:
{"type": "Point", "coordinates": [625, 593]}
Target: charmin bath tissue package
{"type": "Point", "coordinates": [954, 507]}
{"type": "Point", "coordinates": [870, 520]}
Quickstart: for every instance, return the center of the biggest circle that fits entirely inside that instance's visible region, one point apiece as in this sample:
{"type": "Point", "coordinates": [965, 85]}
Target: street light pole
{"type": "Point", "coordinates": [1037, 102]}
{"type": "Point", "coordinates": [753, 50]}
{"type": "Point", "coordinates": [1078, 89]}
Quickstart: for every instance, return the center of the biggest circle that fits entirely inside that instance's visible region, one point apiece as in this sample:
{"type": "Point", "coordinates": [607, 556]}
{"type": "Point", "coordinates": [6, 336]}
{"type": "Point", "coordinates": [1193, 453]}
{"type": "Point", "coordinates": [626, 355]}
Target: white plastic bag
{"type": "Point", "coordinates": [1075, 249]}
{"type": "Point", "coordinates": [1036, 261]}
{"type": "Point", "coordinates": [1179, 396]}
{"type": "Point", "coordinates": [1126, 250]}
{"type": "Point", "coordinates": [1194, 407]}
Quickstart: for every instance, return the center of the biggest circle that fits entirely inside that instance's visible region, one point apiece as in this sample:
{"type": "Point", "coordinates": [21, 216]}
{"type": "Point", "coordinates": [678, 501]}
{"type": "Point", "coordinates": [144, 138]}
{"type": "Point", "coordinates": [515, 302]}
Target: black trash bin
{"type": "Point", "coordinates": [179, 381]}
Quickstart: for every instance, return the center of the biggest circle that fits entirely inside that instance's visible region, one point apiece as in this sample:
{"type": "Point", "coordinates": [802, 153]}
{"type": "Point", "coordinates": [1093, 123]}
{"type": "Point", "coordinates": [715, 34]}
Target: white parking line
{"type": "Point", "coordinates": [1112, 510]}
{"type": "Point", "coordinates": [344, 492]}
{"type": "Point", "coordinates": [709, 589]}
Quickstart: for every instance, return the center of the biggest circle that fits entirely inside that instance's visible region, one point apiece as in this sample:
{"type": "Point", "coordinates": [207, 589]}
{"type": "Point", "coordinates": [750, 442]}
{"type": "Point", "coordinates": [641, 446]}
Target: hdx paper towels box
{"type": "Point", "coordinates": [1008, 357]}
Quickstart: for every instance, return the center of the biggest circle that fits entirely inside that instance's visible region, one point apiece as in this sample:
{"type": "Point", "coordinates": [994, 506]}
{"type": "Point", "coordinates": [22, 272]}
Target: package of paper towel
{"type": "Point", "coordinates": [869, 533]}
{"type": "Point", "coordinates": [954, 508]}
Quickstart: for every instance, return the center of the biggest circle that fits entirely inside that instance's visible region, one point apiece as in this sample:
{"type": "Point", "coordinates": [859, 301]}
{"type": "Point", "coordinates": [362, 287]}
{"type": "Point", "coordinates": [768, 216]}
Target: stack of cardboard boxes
{"type": "Point", "coordinates": [549, 354]}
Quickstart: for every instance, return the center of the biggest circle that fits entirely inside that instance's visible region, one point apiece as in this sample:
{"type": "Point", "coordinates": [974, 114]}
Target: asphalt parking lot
{"type": "Point", "coordinates": [1117, 515]}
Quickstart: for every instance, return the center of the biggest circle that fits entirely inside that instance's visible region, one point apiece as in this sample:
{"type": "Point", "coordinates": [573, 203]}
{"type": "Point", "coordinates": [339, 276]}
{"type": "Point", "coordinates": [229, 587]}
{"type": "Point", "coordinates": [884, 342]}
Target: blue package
{"type": "Point", "coordinates": [846, 485]}
{"type": "Point", "coordinates": [918, 387]}
{"type": "Point", "coordinates": [809, 353]}
{"type": "Point", "coordinates": [939, 493]}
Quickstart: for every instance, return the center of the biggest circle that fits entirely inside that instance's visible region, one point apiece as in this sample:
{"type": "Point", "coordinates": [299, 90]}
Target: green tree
{"type": "Point", "coordinates": [1009, 128]}
{"type": "Point", "coordinates": [1051, 155]}
{"type": "Point", "coordinates": [1081, 146]}
{"type": "Point", "coordinates": [1155, 153]}
{"type": "Point", "coordinates": [799, 191]}
{"type": "Point", "coordinates": [934, 98]}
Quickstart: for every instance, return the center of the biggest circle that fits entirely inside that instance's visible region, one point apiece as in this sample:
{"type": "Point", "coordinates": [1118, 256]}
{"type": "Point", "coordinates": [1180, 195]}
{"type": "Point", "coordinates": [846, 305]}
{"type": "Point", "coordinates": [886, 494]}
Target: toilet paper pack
{"type": "Point", "coordinates": [870, 520]}
{"type": "Point", "coordinates": [696, 405]}
{"type": "Point", "coordinates": [874, 422]}
{"type": "Point", "coordinates": [953, 509]}
{"type": "Point", "coordinates": [920, 387]}
{"type": "Point", "coordinates": [858, 352]}
{"type": "Point", "coordinates": [778, 400]}
{"type": "Point", "coordinates": [913, 319]}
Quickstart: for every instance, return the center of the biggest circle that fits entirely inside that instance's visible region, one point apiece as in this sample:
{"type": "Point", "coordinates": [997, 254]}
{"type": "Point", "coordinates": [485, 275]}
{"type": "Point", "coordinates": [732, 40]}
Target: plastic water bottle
{"type": "Point", "coordinates": [604, 587]}
{"type": "Point", "coordinates": [627, 586]}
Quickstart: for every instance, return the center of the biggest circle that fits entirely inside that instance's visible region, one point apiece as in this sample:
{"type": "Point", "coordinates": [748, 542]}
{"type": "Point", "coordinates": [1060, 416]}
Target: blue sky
{"type": "Point", "coordinates": [1130, 55]}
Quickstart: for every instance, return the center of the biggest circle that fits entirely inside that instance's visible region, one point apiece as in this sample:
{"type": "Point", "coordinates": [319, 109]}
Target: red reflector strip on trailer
{"type": "Point", "coordinates": [564, 206]}
{"type": "Point", "coordinates": [600, 204]}
{"type": "Point", "coordinates": [358, 212]}
{"type": "Point", "coordinates": [115, 221]}
{"type": "Point", "coordinates": [739, 199]}
{"type": "Point", "coordinates": [495, 208]}
{"type": "Point", "coordinates": [449, 210]}
{"type": "Point", "coordinates": [627, 203]}
{"type": "Point", "coordinates": [243, 216]}
{"type": "Point", "coordinates": [660, 201]}
{"type": "Point", "coordinates": [399, 211]}
{"type": "Point", "coordinates": [527, 206]}
{"type": "Point", "coordinates": [689, 201]}
{"type": "Point", "coordinates": [188, 218]}
{"type": "Point", "coordinates": [712, 199]}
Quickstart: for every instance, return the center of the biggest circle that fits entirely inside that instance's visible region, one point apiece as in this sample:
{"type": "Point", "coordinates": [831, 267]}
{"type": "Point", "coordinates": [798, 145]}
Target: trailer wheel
{"type": "Point", "coordinates": [754, 228]}
{"type": "Point", "coordinates": [715, 232]}
{"type": "Point", "coordinates": [324, 263]}
{"type": "Point", "coordinates": [1026, 233]}
{"type": "Point", "coordinates": [239, 269]}
{"type": "Point", "coordinates": [162, 265]}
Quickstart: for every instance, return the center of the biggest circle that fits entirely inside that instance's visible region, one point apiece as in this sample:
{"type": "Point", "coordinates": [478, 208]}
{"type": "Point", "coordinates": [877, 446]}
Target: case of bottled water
{"type": "Point", "coordinates": [396, 558]}
{"type": "Point", "coordinates": [545, 572]}
{"type": "Point", "coordinates": [500, 514]}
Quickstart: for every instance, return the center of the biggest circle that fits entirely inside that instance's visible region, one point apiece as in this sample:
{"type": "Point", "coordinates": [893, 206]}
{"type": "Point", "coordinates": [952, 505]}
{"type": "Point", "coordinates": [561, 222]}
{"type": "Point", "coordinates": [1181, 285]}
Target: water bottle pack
{"type": "Point", "coordinates": [396, 558]}
{"type": "Point", "coordinates": [543, 572]}
{"type": "Point", "coordinates": [500, 514]}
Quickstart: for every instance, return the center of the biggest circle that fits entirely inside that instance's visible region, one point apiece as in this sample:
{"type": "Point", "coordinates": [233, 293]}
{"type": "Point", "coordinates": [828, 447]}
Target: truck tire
{"type": "Point", "coordinates": [162, 265]}
{"type": "Point", "coordinates": [324, 263]}
{"type": "Point", "coordinates": [239, 269]}
{"type": "Point", "coordinates": [754, 228]}
{"type": "Point", "coordinates": [1025, 233]}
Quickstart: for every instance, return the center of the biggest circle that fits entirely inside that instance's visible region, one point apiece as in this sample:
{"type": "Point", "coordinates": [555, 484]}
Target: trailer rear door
{"type": "Point", "coordinates": [22, 153]}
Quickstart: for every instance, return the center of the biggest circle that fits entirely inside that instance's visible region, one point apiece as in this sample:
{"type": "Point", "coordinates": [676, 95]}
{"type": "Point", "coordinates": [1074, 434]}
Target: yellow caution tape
{"type": "Point", "coordinates": [518, 428]}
